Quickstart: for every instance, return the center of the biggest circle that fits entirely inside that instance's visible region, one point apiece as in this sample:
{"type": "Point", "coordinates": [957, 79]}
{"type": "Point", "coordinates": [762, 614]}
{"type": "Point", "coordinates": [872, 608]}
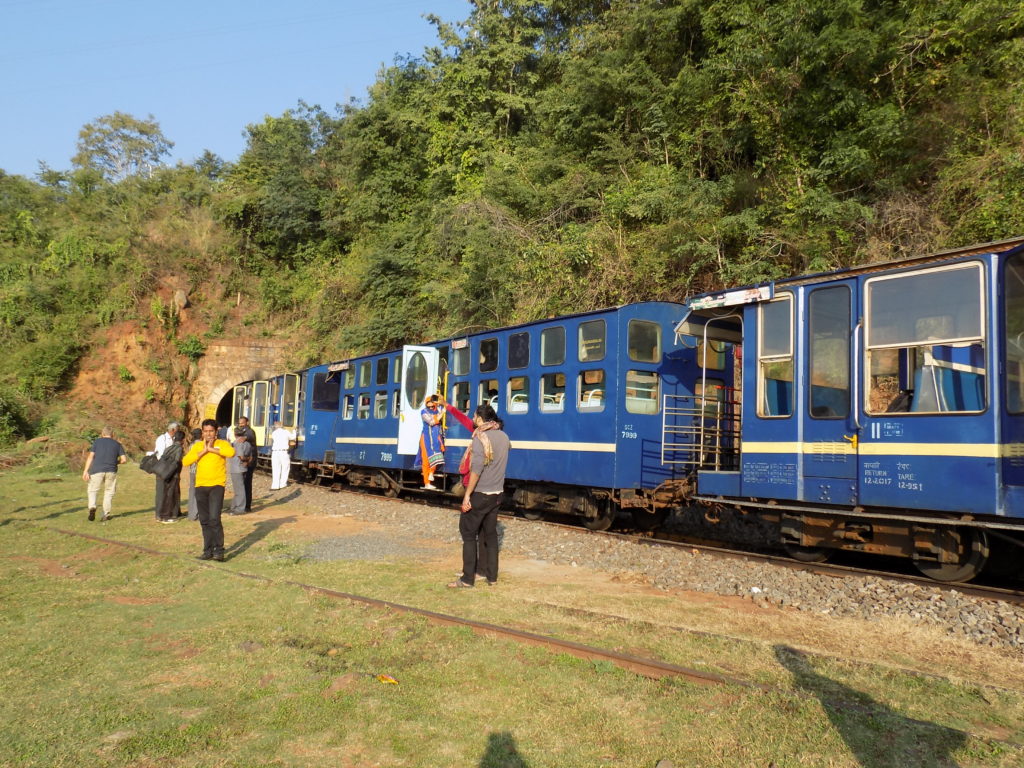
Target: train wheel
{"type": "Point", "coordinates": [649, 521]}
{"type": "Point", "coordinates": [808, 554]}
{"type": "Point", "coordinates": [600, 523]}
{"type": "Point", "coordinates": [530, 514]}
{"type": "Point", "coordinates": [605, 517]}
{"type": "Point", "coordinates": [976, 553]}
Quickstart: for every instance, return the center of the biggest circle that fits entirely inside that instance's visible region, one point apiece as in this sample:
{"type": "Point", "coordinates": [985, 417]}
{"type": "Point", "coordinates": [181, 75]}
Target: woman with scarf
{"type": "Point", "coordinates": [488, 457]}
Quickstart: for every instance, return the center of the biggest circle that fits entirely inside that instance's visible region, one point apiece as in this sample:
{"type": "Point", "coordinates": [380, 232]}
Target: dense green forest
{"type": "Point", "coordinates": [544, 157]}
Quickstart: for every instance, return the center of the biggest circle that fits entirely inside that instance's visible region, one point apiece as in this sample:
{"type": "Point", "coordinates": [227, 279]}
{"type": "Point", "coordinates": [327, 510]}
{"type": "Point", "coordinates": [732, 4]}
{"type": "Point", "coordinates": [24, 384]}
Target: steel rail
{"type": "Point", "coordinates": [652, 668]}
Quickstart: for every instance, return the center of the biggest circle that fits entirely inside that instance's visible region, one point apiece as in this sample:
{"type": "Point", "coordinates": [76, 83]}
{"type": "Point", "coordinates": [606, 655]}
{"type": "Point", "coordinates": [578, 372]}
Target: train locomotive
{"type": "Point", "coordinates": [878, 409]}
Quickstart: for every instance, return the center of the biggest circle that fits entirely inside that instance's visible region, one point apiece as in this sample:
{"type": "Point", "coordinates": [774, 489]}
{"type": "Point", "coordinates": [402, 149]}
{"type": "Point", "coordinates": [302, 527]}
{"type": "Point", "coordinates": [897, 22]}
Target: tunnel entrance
{"type": "Point", "coordinates": [223, 416]}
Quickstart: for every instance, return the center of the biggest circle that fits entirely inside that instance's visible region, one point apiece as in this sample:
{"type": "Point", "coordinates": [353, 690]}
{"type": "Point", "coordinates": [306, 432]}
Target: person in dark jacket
{"type": "Point", "coordinates": [250, 469]}
{"type": "Point", "coordinates": [170, 498]}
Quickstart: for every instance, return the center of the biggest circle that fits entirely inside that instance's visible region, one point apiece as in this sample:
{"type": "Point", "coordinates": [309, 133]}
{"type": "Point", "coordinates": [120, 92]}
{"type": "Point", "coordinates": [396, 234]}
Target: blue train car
{"type": "Point", "coordinates": [881, 408]}
{"type": "Point", "coordinates": [587, 401]}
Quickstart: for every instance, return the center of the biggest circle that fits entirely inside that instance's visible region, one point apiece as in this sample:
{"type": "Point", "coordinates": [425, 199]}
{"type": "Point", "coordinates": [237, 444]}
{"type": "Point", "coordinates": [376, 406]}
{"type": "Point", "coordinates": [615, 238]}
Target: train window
{"type": "Point", "coordinates": [241, 407]}
{"type": "Point", "coordinates": [489, 393]}
{"type": "Point", "coordinates": [396, 404]}
{"type": "Point", "coordinates": [592, 335]}
{"type": "Point", "coordinates": [643, 391]}
{"type": "Point", "coordinates": [364, 374]}
{"type": "Point", "coordinates": [711, 356]}
{"type": "Point", "coordinates": [775, 370]}
{"type": "Point", "coordinates": [363, 412]}
{"type": "Point", "coordinates": [349, 408]}
{"type": "Point", "coordinates": [380, 405]}
{"type": "Point", "coordinates": [710, 395]}
{"type": "Point", "coordinates": [382, 371]}
{"type": "Point", "coordinates": [259, 404]}
{"type": "Point", "coordinates": [460, 395]}
{"type": "Point", "coordinates": [488, 355]}
{"type": "Point", "coordinates": [350, 378]}
{"type": "Point", "coordinates": [591, 388]}
{"type": "Point", "coordinates": [442, 358]}
{"type": "Point", "coordinates": [829, 310]}
{"type": "Point", "coordinates": [325, 392]}
{"type": "Point", "coordinates": [291, 395]}
{"type": "Point", "coordinates": [460, 360]}
{"type": "Point", "coordinates": [552, 392]}
{"type": "Point", "coordinates": [416, 380]}
{"type": "Point", "coordinates": [396, 368]}
{"type": "Point", "coordinates": [925, 341]}
{"type": "Point", "coordinates": [519, 394]}
{"type": "Point", "coordinates": [519, 350]}
{"type": "Point", "coordinates": [644, 339]}
{"type": "Point", "coordinates": [552, 346]}
{"type": "Point", "coordinates": [1014, 283]}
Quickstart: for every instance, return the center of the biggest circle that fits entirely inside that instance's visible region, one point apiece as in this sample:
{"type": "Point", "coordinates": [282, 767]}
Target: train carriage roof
{"type": "Point", "coordinates": [717, 312]}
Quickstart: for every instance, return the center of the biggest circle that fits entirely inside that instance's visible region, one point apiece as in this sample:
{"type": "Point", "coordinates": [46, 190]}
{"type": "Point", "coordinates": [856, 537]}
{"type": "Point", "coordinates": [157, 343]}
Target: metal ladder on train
{"type": "Point", "coordinates": [700, 432]}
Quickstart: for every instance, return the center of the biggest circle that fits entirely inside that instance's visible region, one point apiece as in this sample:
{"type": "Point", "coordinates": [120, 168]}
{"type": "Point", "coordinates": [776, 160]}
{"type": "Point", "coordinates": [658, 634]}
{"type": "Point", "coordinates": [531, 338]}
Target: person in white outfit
{"type": "Point", "coordinates": [280, 460]}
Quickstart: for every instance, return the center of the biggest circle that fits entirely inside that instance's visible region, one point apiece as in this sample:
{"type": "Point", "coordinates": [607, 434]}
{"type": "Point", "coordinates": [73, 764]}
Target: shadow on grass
{"type": "Point", "coordinates": [259, 532]}
{"type": "Point", "coordinates": [276, 499]}
{"type": "Point", "coordinates": [501, 752]}
{"type": "Point", "coordinates": [877, 735]}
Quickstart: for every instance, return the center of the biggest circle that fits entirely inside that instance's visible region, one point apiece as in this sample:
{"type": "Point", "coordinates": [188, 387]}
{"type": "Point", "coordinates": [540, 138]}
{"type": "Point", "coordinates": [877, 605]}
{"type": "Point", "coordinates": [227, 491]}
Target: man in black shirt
{"type": "Point", "coordinates": [101, 470]}
{"type": "Point", "coordinates": [250, 469]}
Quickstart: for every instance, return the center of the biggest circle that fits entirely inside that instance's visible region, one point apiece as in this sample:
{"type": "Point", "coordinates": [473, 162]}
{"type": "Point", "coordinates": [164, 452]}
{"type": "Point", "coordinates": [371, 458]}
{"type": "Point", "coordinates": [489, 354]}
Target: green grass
{"type": "Point", "coordinates": [114, 657]}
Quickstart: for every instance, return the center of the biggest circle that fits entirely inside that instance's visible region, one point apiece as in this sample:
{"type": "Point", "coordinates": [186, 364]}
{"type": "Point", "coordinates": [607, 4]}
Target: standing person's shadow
{"type": "Point", "coordinates": [877, 735]}
{"type": "Point", "coordinates": [501, 752]}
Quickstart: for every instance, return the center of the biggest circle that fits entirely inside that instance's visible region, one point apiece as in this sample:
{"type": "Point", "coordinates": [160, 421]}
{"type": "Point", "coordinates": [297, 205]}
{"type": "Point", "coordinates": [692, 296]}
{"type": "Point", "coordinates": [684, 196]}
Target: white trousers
{"type": "Point", "coordinates": [109, 482]}
{"type": "Point", "coordinates": [280, 464]}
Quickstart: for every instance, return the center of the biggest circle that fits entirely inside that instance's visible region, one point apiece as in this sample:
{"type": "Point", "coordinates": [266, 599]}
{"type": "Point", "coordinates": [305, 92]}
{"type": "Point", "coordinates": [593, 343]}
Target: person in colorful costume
{"type": "Point", "coordinates": [432, 439]}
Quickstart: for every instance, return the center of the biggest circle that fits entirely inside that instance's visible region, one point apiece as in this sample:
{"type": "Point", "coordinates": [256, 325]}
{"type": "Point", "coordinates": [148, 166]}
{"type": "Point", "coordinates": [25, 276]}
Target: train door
{"type": "Point", "coordinates": [259, 408]}
{"type": "Point", "coordinates": [830, 426]}
{"type": "Point", "coordinates": [290, 401]}
{"type": "Point", "coordinates": [240, 403]}
{"type": "Point", "coordinates": [419, 378]}
{"type": "Point", "coordinates": [1012, 331]}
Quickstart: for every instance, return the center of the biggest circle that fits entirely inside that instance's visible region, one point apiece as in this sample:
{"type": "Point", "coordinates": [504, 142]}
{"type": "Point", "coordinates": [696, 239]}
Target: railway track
{"type": "Point", "coordinates": [645, 667]}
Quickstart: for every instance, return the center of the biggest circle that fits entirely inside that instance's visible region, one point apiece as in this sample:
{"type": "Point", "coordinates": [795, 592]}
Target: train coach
{"type": "Point", "coordinates": [604, 410]}
{"type": "Point", "coordinates": [880, 409]}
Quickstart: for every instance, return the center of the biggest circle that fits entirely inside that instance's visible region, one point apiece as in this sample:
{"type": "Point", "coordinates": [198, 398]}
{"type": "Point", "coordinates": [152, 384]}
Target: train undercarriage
{"type": "Point", "coordinates": [946, 549]}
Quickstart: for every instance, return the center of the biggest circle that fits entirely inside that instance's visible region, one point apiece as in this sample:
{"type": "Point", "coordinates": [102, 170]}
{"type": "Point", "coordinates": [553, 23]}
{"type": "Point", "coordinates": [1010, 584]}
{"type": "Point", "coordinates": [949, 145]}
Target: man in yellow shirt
{"type": "Point", "coordinates": [210, 456]}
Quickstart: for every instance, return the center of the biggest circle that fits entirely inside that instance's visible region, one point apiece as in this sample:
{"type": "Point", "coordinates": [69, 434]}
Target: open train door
{"type": "Point", "coordinates": [259, 407]}
{"type": "Point", "coordinates": [419, 377]}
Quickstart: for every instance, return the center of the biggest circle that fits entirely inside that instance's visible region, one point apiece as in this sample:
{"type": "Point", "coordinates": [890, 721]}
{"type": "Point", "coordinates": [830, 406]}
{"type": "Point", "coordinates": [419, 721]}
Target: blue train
{"type": "Point", "coordinates": [587, 400]}
{"type": "Point", "coordinates": [877, 409]}
{"type": "Point", "coordinates": [881, 408]}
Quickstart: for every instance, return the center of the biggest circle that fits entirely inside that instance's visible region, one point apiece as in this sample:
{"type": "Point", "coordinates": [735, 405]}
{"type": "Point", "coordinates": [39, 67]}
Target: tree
{"type": "Point", "coordinates": [120, 146]}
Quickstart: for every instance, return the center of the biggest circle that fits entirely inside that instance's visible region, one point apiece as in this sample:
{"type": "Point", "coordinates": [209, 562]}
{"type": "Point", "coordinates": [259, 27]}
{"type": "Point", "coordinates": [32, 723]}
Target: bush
{"type": "Point", "coordinates": [13, 417]}
{"type": "Point", "coordinates": [191, 347]}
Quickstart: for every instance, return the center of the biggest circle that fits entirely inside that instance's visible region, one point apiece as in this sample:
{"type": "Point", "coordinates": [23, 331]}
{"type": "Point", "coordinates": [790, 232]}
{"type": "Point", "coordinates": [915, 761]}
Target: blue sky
{"type": "Point", "coordinates": [204, 69]}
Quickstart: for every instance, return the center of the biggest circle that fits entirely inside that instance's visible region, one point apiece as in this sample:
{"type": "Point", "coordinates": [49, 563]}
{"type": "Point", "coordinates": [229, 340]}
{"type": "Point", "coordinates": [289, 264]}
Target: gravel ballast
{"type": "Point", "coordinates": [986, 622]}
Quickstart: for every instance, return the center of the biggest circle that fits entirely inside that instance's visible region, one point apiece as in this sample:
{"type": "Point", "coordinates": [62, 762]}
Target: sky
{"type": "Point", "coordinates": [204, 69]}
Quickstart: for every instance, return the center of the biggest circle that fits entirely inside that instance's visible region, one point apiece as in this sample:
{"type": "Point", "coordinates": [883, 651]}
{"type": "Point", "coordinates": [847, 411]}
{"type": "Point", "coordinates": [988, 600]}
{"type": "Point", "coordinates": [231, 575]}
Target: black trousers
{"type": "Point", "coordinates": [249, 472]}
{"type": "Point", "coordinates": [480, 522]}
{"type": "Point", "coordinates": [210, 501]}
{"type": "Point", "coordinates": [159, 501]}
